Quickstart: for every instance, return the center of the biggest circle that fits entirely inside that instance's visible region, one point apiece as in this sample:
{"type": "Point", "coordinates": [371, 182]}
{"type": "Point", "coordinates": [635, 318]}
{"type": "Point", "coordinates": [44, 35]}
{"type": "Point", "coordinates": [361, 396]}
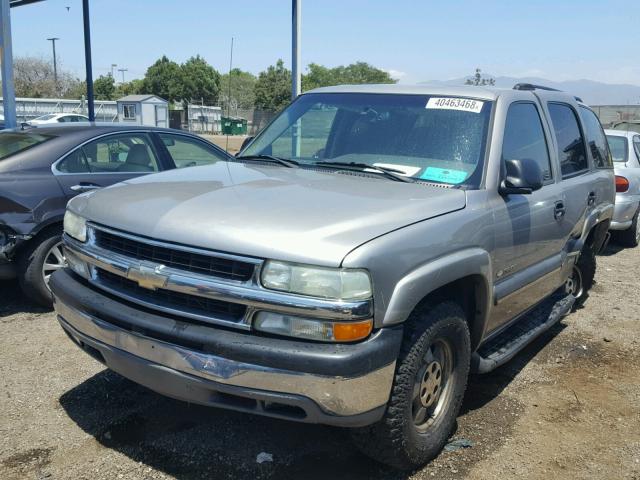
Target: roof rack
{"type": "Point", "coordinates": [531, 86]}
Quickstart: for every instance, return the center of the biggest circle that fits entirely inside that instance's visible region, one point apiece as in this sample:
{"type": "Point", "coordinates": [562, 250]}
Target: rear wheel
{"type": "Point", "coordinates": [37, 262]}
{"type": "Point", "coordinates": [582, 276]}
{"type": "Point", "coordinates": [631, 236]}
{"type": "Point", "coordinates": [429, 384]}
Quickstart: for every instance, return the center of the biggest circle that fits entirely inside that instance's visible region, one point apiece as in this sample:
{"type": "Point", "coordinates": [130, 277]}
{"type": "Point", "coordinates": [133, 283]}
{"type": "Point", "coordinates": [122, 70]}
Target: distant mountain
{"type": "Point", "coordinates": [592, 93]}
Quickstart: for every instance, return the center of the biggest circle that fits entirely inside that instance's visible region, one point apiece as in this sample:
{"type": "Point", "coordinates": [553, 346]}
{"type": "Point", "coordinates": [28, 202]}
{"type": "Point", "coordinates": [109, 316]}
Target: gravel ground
{"type": "Point", "coordinates": [568, 407]}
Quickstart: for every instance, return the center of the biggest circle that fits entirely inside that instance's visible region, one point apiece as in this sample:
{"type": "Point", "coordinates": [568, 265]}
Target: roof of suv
{"type": "Point", "coordinates": [484, 92]}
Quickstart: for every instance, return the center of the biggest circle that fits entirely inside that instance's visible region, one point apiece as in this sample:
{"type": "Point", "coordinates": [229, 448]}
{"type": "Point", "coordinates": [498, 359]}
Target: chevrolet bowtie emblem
{"type": "Point", "coordinates": [148, 277]}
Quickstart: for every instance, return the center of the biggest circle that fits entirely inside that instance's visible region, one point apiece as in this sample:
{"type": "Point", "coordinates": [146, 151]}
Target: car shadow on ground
{"type": "Point", "coordinates": [190, 441]}
{"type": "Point", "coordinates": [611, 249]}
{"type": "Point", "coordinates": [12, 300]}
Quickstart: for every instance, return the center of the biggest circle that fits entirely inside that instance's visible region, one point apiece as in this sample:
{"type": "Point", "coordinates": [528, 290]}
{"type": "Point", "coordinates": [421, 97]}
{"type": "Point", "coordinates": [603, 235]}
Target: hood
{"type": "Point", "coordinates": [266, 211]}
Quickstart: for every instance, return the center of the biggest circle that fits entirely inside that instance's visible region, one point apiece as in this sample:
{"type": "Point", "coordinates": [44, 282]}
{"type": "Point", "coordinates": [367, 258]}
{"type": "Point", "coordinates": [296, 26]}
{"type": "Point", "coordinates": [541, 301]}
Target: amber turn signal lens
{"type": "Point", "coordinates": [351, 331]}
{"type": "Point", "coordinates": [622, 184]}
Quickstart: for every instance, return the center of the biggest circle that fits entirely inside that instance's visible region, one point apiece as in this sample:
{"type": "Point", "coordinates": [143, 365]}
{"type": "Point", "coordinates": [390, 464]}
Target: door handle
{"type": "Point", "coordinates": [591, 199]}
{"type": "Point", "coordinates": [84, 187]}
{"type": "Point", "coordinates": [559, 210]}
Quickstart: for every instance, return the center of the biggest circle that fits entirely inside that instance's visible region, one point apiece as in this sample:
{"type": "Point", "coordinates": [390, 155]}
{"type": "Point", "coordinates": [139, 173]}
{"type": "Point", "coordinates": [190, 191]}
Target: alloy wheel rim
{"type": "Point", "coordinates": [637, 230]}
{"type": "Point", "coordinates": [54, 260]}
{"type": "Point", "coordinates": [432, 385]}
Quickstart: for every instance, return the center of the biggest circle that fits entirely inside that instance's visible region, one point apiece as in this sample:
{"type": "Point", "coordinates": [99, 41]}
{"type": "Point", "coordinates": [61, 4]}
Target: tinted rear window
{"type": "Point", "coordinates": [618, 146]}
{"type": "Point", "coordinates": [14, 142]}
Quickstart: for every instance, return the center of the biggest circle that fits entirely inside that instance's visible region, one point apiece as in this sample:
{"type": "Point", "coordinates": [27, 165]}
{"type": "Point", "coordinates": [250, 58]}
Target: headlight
{"type": "Point", "coordinates": [75, 226]}
{"type": "Point", "coordinates": [334, 283]}
{"type": "Point", "coordinates": [311, 329]}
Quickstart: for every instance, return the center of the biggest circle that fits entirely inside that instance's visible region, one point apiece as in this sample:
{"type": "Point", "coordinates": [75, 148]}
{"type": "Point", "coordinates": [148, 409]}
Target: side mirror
{"type": "Point", "coordinates": [522, 177]}
{"type": "Point", "coordinates": [245, 142]}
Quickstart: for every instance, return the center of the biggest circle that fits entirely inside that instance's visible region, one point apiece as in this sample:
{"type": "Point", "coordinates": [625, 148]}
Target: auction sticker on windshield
{"type": "Point", "coordinates": [451, 103]}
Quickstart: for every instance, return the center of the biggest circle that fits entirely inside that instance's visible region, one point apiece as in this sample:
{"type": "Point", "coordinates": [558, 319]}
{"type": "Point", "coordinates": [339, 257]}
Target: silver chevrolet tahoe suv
{"type": "Point", "coordinates": [360, 257]}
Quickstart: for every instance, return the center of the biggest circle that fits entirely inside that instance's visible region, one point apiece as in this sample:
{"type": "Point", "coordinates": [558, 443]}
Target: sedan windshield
{"type": "Point", "coordinates": [428, 138]}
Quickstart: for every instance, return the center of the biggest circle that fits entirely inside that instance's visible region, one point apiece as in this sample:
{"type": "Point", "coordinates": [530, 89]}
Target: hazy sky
{"type": "Point", "coordinates": [416, 40]}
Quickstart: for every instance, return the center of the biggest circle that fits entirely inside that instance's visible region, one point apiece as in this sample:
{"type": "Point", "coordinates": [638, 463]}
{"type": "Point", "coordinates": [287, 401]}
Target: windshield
{"type": "Point", "coordinates": [14, 142]}
{"type": "Point", "coordinates": [618, 146]}
{"type": "Point", "coordinates": [435, 139]}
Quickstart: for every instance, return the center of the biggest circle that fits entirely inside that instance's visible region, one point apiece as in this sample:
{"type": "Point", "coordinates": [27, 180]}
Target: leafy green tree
{"type": "Point", "coordinates": [355, 73]}
{"type": "Point", "coordinates": [478, 80]}
{"type": "Point", "coordinates": [242, 90]}
{"type": "Point", "coordinates": [129, 88]}
{"type": "Point", "coordinates": [77, 90]}
{"type": "Point", "coordinates": [104, 87]}
{"type": "Point", "coordinates": [273, 87]}
{"type": "Point", "coordinates": [164, 78]}
{"type": "Point", "coordinates": [200, 81]}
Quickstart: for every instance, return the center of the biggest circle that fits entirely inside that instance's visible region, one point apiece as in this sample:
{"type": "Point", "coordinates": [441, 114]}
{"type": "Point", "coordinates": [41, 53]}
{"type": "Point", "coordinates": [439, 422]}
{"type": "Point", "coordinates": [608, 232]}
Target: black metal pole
{"type": "Point", "coordinates": [87, 58]}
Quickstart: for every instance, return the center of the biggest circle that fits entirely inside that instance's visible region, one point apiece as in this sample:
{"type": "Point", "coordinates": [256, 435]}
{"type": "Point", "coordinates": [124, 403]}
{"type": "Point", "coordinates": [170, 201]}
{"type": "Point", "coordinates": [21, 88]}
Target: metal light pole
{"type": "Point", "coordinates": [6, 64]}
{"type": "Point", "coordinates": [55, 63]}
{"type": "Point", "coordinates": [87, 60]}
{"type": "Point", "coordinates": [122, 70]}
{"type": "Point", "coordinates": [113, 65]}
{"type": "Point", "coordinates": [296, 74]}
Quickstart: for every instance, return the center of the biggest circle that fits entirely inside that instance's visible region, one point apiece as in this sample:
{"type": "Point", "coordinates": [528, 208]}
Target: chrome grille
{"type": "Point", "coordinates": [208, 307]}
{"type": "Point", "coordinates": [175, 258]}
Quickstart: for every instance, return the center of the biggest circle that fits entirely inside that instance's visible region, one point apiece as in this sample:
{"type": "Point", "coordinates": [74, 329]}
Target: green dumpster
{"type": "Point", "coordinates": [234, 126]}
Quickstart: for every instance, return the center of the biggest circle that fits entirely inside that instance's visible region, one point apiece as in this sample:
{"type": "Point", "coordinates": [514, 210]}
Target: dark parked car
{"type": "Point", "coordinates": [42, 168]}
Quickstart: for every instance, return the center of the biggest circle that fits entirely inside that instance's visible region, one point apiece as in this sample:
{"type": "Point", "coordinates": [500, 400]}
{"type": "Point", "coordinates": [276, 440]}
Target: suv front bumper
{"type": "Point", "coordinates": [345, 385]}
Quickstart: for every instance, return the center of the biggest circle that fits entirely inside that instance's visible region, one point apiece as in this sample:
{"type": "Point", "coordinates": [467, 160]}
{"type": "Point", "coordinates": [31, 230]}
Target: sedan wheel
{"type": "Point", "coordinates": [53, 260]}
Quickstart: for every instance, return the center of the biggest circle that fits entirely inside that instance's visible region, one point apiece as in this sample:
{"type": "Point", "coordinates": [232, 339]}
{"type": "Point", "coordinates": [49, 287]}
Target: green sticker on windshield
{"type": "Point", "coordinates": [444, 175]}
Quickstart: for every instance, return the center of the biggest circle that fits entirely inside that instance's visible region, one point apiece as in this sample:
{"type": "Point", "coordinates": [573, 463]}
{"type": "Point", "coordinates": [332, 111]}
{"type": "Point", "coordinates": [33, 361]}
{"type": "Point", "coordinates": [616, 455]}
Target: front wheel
{"type": "Point", "coordinates": [36, 264]}
{"type": "Point", "coordinates": [427, 392]}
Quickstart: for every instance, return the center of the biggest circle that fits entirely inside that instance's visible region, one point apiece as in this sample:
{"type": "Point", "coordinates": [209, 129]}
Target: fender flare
{"type": "Point", "coordinates": [427, 278]}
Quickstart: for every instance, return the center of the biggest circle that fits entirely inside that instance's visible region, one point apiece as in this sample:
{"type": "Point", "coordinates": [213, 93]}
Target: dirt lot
{"type": "Point", "coordinates": [231, 143]}
{"type": "Point", "coordinates": [566, 408]}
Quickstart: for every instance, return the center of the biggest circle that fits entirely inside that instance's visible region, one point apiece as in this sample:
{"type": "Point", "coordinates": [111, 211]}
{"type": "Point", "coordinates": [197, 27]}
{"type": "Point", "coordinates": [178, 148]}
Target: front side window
{"type": "Point", "coordinates": [596, 139]}
{"type": "Point", "coordinates": [524, 137]}
{"type": "Point", "coordinates": [112, 154]}
{"type": "Point", "coordinates": [619, 147]}
{"type": "Point", "coordinates": [16, 142]}
{"type": "Point", "coordinates": [129, 112]}
{"type": "Point", "coordinates": [566, 128]}
{"type": "Point", "coordinates": [435, 139]}
{"type": "Point", "coordinates": [188, 152]}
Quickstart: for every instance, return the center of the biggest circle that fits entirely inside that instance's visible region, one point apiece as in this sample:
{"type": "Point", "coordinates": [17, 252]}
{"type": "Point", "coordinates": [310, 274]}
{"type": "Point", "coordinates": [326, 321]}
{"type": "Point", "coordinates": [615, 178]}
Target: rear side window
{"type": "Point", "coordinates": [524, 137]}
{"type": "Point", "coordinates": [618, 147]}
{"type": "Point", "coordinates": [15, 142]}
{"type": "Point", "coordinates": [596, 139]}
{"type": "Point", "coordinates": [569, 139]}
{"type": "Point", "coordinates": [636, 145]}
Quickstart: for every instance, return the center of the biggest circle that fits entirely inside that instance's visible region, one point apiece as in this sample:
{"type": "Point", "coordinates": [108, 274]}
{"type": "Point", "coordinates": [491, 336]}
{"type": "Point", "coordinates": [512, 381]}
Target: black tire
{"type": "Point", "coordinates": [30, 266]}
{"type": "Point", "coordinates": [585, 271]}
{"type": "Point", "coordinates": [630, 237]}
{"type": "Point", "coordinates": [396, 440]}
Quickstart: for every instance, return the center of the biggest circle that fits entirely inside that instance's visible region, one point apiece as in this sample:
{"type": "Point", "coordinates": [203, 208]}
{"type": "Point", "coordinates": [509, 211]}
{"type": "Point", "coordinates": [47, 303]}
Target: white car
{"type": "Point", "coordinates": [625, 149]}
{"type": "Point", "coordinates": [58, 118]}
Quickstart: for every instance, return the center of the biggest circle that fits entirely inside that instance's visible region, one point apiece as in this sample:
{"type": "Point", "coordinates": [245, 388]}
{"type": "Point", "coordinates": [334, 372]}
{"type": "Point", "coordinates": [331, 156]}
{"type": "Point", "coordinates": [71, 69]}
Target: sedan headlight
{"type": "Point", "coordinates": [333, 283]}
{"type": "Point", "coordinates": [75, 226]}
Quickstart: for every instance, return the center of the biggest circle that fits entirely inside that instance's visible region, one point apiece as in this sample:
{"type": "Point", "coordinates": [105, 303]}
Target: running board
{"type": "Point", "coordinates": [506, 345]}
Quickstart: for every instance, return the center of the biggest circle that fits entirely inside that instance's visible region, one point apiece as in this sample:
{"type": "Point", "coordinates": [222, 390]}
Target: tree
{"type": "Point", "coordinates": [164, 79]}
{"type": "Point", "coordinates": [478, 80]}
{"type": "Point", "coordinates": [242, 90]}
{"type": "Point", "coordinates": [129, 88]}
{"type": "Point", "coordinates": [200, 81]}
{"type": "Point", "coordinates": [104, 87]}
{"type": "Point", "coordinates": [77, 91]}
{"type": "Point", "coordinates": [355, 73]}
{"type": "Point", "coordinates": [273, 88]}
{"type": "Point", "coordinates": [34, 77]}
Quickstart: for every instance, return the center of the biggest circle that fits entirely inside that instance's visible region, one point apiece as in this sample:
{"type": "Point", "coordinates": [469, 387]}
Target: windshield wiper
{"type": "Point", "coordinates": [391, 173]}
{"type": "Point", "coordinates": [270, 158]}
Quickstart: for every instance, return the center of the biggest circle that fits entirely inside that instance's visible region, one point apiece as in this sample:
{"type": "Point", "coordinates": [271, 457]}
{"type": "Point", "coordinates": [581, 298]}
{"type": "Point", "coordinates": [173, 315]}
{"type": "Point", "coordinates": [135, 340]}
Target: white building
{"type": "Point", "coordinates": [143, 110]}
